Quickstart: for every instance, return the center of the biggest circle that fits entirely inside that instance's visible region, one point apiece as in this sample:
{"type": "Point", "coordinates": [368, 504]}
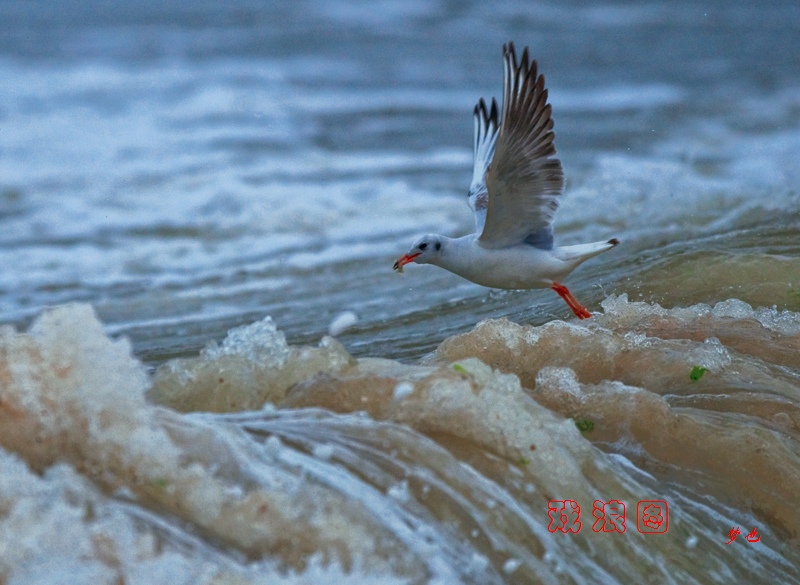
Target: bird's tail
{"type": "Point", "coordinates": [582, 252]}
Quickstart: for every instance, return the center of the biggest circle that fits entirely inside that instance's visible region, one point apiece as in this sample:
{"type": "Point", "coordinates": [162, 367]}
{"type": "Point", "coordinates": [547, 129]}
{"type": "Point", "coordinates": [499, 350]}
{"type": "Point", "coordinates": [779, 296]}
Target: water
{"type": "Point", "coordinates": [190, 168]}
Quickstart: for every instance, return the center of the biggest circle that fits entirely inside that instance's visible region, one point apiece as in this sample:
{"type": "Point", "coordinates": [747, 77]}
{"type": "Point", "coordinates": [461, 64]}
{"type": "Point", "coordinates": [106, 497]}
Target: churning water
{"type": "Point", "coordinates": [206, 187]}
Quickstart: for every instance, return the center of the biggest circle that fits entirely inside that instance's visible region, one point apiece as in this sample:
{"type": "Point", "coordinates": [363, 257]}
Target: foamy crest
{"type": "Point", "coordinates": [630, 373]}
{"type": "Point", "coordinates": [253, 365]}
{"type": "Point", "coordinates": [260, 341]}
{"type": "Point", "coordinates": [57, 528]}
{"type": "Point", "coordinates": [493, 423]}
{"type": "Point", "coordinates": [467, 399]}
{"type": "Point", "coordinates": [446, 475]}
{"type": "Point", "coordinates": [70, 396]}
{"type": "Point", "coordinates": [626, 312]}
{"type": "Point", "coordinates": [769, 334]}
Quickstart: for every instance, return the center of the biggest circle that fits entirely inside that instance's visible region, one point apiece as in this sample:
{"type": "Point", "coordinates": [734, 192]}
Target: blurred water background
{"type": "Point", "coordinates": [186, 168]}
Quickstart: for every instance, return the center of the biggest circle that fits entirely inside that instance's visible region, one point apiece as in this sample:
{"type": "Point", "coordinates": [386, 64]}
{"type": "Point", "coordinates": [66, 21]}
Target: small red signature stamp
{"type": "Point", "coordinates": [753, 536]}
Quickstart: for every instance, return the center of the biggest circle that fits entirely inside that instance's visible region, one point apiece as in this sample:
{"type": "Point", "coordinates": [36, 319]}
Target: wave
{"type": "Point", "coordinates": [259, 460]}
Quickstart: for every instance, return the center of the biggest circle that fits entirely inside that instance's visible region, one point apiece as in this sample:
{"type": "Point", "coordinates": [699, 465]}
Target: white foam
{"type": "Point", "coordinates": [399, 491]}
{"type": "Point", "coordinates": [619, 97]}
{"type": "Point", "coordinates": [341, 323]}
{"type": "Point", "coordinates": [260, 342]}
{"type": "Point", "coordinates": [403, 390]}
{"type": "Point", "coordinates": [511, 565]}
{"type": "Point", "coordinates": [324, 451]}
{"type": "Point", "coordinates": [784, 322]}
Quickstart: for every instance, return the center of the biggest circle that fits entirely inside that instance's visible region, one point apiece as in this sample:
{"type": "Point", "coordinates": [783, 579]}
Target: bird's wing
{"type": "Point", "coordinates": [524, 179]}
{"type": "Point", "coordinates": [486, 125]}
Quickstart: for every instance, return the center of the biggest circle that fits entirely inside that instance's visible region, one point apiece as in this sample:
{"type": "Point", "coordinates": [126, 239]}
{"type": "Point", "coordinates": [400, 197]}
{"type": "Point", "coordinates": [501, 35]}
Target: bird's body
{"type": "Point", "coordinates": [515, 267]}
{"type": "Point", "coordinates": [514, 195]}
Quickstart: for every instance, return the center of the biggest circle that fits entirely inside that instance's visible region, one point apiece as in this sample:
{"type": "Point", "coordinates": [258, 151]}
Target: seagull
{"type": "Point", "coordinates": [514, 195]}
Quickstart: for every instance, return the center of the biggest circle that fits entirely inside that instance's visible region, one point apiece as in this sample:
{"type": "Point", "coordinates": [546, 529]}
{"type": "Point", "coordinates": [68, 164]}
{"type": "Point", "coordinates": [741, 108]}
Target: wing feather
{"type": "Point", "coordinates": [486, 126]}
{"type": "Point", "coordinates": [524, 178]}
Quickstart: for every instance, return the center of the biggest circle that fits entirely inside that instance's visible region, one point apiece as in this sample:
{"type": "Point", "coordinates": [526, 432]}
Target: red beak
{"type": "Point", "coordinates": [403, 261]}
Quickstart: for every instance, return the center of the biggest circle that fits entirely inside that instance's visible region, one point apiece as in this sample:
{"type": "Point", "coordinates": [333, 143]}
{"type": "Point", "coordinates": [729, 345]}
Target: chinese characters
{"type": "Point", "coordinates": [652, 516]}
{"type": "Point", "coordinates": [753, 536]}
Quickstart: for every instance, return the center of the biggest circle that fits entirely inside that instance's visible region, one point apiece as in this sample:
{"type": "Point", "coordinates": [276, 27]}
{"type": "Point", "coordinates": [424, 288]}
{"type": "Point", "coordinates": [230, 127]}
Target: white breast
{"type": "Point", "coordinates": [517, 267]}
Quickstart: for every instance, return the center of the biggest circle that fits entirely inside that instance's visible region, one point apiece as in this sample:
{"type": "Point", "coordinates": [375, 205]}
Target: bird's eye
{"type": "Point", "coordinates": [438, 245]}
{"type": "Point", "coordinates": [423, 245]}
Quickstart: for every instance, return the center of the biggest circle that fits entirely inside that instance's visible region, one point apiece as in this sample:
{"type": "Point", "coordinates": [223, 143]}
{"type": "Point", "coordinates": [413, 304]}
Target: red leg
{"type": "Point", "coordinates": [580, 311]}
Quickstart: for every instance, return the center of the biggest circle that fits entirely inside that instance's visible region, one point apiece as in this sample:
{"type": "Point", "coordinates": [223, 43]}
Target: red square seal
{"type": "Point", "coordinates": [652, 516]}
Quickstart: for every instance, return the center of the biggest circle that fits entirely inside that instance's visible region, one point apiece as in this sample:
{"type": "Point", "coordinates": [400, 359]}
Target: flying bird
{"type": "Point", "coordinates": [516, 185]}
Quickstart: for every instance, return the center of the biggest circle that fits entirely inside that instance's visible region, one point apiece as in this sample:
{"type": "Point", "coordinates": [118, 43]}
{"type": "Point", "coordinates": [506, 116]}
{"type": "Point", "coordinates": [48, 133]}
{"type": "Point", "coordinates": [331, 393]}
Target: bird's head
{"type": "Point", "coordinates": [425, 250]}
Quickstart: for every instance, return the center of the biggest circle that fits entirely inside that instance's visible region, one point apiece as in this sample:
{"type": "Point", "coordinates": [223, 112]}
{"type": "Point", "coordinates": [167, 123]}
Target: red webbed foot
{"type": "Point", "coordinates": [580, 311]}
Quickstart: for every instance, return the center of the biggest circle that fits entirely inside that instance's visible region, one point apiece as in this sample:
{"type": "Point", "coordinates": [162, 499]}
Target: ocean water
{"type": "Point", "coordinates": [193, 195]}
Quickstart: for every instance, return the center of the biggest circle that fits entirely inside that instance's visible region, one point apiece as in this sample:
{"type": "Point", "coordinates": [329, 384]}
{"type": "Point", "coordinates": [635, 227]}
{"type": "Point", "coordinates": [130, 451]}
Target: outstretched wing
{"type": "Point", "coordinates": [486, 126]}
{"type": "Point", "coordinates": [524, 179]}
